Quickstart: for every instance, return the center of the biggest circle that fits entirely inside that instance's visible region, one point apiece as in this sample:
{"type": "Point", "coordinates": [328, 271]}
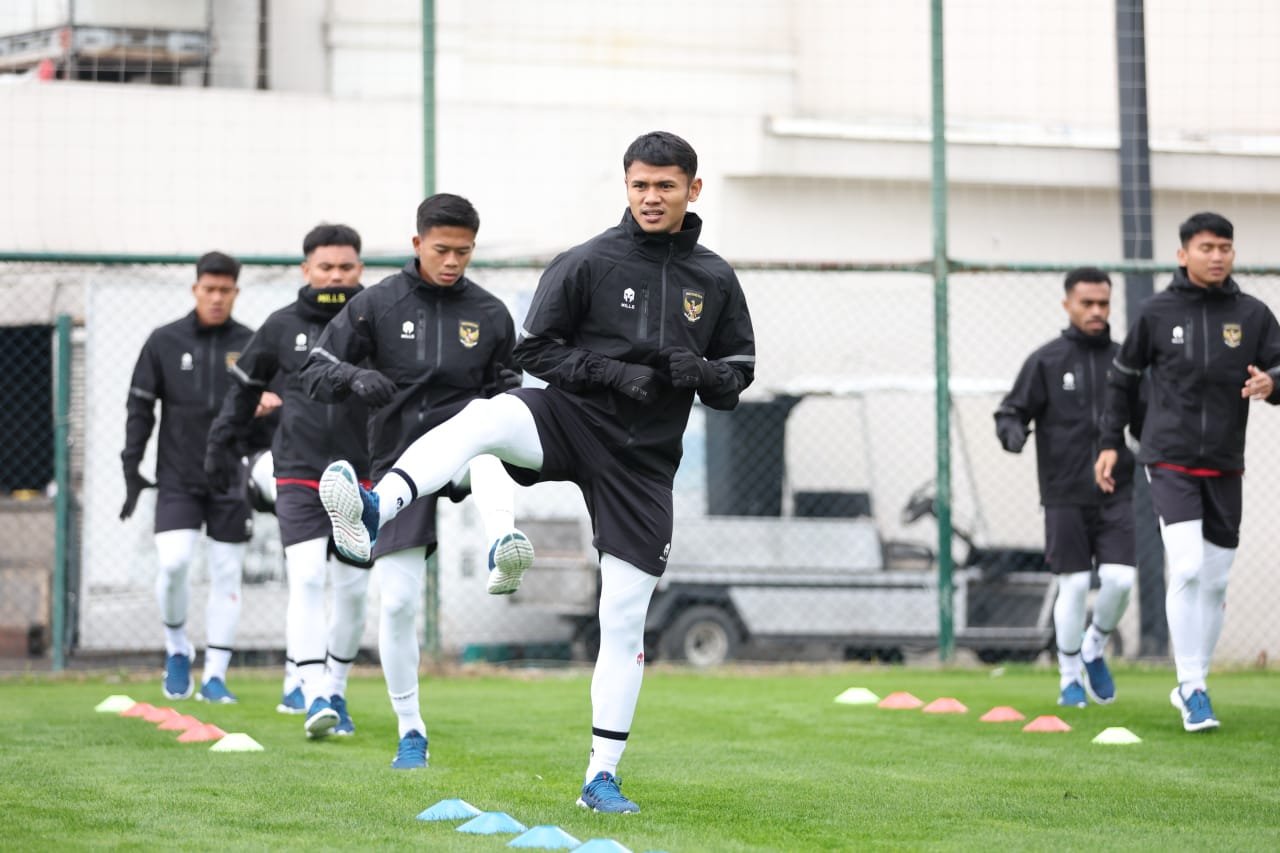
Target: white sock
{"type": "Point", "coordinates": [1069, 612]}
{"type": "Point", "coordinates": [501, 425]}
{"type": "Point", "coordinates": [222, 612]}
{"type": "Point", "coordinates": [494, 494]}
{"type": "Point", "coordinates": [173, 558]}
{"type": "Point", "coordinates": [346, 622]}
{"type": "Point", "coordinates": [1113, 597]}
{"type": "Point", "coordinates": [1213, 597]}
{"type": "Point", "coordinates": [615, 683]}
{"type": "Point", "coordinates": [1184, 551]}
{"type": "Point", "coordinates": [306, 565]}
{"type": "Point", "coordinates": [291, 679]}
{"type": "Point", "coordinates": [1069, 669]}
{"type": "Point", "coordinates": [400, 579]}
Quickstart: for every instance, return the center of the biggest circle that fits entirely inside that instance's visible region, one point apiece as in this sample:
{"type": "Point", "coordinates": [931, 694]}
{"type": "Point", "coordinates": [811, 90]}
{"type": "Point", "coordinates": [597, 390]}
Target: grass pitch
{"type": "Point", "coordinates": [758, 759]}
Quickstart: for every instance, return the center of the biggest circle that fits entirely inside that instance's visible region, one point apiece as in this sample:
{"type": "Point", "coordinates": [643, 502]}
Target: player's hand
{"type": "Point", "coordinates": [373, 387]}
{"type": "Point", "coordinates": [267, 403]}
{"type": "Point", "coordinates": [222, 467]}
{"type": "Point", "coordinates": [1012, 434]}
{"type": "Point", "coordinates": [637, 381]}
{"type": "Point", "coordinates": [1258, 386]}
{"type": "Point", "coordinates": [134, 483]}
{"type": "Point", "coordinates": [509, 379]}
{"type": "Point", "coordinates": [1103, 469]}
{"type": "Point", "coordinates": [688, 370]}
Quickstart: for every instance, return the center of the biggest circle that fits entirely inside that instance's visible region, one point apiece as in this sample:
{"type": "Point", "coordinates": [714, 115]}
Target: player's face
{"type": "Point", "coordinates": [332, 266]}
{"type": "Point", "coordinates": [215, 294]}
{"type": "Point", "coordinates": [443, 253]}
{"type": "Point", "coordinates": [1208, 259]}
{"type": "Point", "coordinates": [659, 196]}
{"type": "Point", "coordinates": [1089, 305]}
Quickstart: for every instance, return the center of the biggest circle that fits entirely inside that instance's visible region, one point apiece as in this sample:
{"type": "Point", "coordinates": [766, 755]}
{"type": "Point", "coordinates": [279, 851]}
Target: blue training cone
{"type": "Point", "coordinates": [449, 810]}
{"type": "Point", "coordinates": [602, 845]}
{"type": "Point", "coordinates": [545, 837]}
{"type": "Point", "coordinates": [492, 823]}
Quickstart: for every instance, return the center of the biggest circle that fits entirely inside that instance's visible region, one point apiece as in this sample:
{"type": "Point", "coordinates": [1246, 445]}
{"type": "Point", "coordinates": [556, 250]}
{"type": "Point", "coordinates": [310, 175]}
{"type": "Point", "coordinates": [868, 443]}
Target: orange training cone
{"type": "Point", "coordinates": [1046, 723]}
{"type": "Point", "coordinates": [137, 709]}
{"type": "Point", "coordinates": [202, 734]}
{"type": "Point", "coordinates": [1003, 714]}
{"type": "Point", "coordinates": [180, 723]}
{"type": "Point", "coordinates": [945, 705]}
{"type": "Point", "coordinates": [900, 701]}
{"type": "Point", "coordinates": [159, 715]}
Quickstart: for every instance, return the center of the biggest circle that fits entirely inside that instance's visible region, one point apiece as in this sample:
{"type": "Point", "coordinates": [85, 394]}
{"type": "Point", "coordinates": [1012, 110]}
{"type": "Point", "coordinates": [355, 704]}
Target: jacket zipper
{"type": "Point", "coordinates": [1093, 402]}
{"type": "Point", "coordinates": [642, 322]}
{"type": "Point", "coordinates": [1204, 333]}
{"type": "Point", "coordinates": [213, 358]}
{"type": "Point", "coordinates": [422, 353]}
{"type": "Point", "coordinates": [662, 318]}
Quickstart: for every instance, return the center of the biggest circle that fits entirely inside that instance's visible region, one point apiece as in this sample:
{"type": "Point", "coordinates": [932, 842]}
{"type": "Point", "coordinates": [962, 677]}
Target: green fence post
{"type": "Point", "coordinates": [946, 600]}
{"type": "Point", "coordinates": [432, 594]}
{"type": "Point", "coordinates": [428, 97]}
{"type": "Point", "coordinates": [62, 479]}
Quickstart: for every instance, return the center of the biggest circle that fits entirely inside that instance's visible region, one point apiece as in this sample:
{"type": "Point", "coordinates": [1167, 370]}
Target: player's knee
{"type": "Point", "coordinates": [399, 605]}
{"type": "Point", "coordinates": [1073, 585]}
{"type": "Point", "coordinates": [1117, 576]}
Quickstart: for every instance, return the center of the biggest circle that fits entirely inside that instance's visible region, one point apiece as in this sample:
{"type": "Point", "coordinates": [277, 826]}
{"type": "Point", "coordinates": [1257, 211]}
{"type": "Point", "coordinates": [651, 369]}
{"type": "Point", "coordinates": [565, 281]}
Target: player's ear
{"type": "Point", "coordinates": [695, 189]}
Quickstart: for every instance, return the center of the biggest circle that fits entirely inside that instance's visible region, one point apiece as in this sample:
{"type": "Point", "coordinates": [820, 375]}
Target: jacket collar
{"type": "Point", "coordinates": [411, 270]}
{"type": "Point", "coordinates": [681, 243]}
{"type": "Point", "coordinates": [1098, 341]}
{"type": "Point", "coordinates": [323, 303]}
{"type": "Point", "coordinates": [1182, 284]}
{"type": "Point", "coordinates": [198, 329]}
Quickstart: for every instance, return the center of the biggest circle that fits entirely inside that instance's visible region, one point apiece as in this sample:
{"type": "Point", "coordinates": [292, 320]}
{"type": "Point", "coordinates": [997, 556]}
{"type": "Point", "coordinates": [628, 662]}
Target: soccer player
{"type": "Point", "coordinates": [311, 435]}
{"type": "Point", "coordinates": [1210, 349]}
{"type": "Point", "coordinates": [625, 328]}
{"type": "Point", "coordinates": [186, 366]}
{"type": "Point", "coordinates": [1061, 387]}
{"type": "Point", "coordinates": [432, 340]}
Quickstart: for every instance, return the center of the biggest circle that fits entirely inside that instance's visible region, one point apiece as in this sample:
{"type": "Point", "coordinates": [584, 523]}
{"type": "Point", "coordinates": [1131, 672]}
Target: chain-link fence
{"type": "Point", "coordinates": [804, 518]}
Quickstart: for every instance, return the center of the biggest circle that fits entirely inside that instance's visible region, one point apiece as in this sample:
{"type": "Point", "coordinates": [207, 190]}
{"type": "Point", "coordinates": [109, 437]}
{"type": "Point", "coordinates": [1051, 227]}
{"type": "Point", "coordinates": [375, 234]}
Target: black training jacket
{"type": "Point", "coordinates": [311, 433]}
{"type": "Point", "coordinates": [440, 345]}
{"type": "Point", "coordinates": [1198, 343]}
{"type": "Point", "coordinates": [187, 367]}
{"type": "Point", "coordinates": [1062, 387]}
{"type": "Point", "coordinates": [629, 295]}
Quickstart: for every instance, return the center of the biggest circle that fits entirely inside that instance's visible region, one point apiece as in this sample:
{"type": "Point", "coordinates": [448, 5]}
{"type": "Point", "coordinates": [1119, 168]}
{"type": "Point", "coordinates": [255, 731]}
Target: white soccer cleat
{"type": "Point", "coordinates": [353, 511]}
{"type": "Point", "coordinates": [509, 557]}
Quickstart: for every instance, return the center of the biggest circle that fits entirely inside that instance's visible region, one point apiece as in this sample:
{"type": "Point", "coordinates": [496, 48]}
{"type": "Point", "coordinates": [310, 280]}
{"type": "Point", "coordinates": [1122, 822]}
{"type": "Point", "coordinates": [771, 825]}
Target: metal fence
{"type": "Point", "coordinates": [804, 523]}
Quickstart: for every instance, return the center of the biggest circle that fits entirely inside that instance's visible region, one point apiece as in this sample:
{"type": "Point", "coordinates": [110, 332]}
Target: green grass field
{"type": "Point", "coordinates": [758, 759]}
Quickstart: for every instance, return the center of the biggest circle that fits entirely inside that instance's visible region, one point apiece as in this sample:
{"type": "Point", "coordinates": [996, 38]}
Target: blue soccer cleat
{"type": "Point", "coordinates": [602, 794]}
{"type": "Point", "coordinates": [412, 753]}
{"type": "Point", "coordinates": [215, 690]}
{"type": "Point", "coordinates": [321, 718]}
{"type": "Point", "coordinates": [1098, 681]}
{"type": "Point", "coordinates": [1072, 696]}
{"type": "Point", "coordinates": [352, 509]}
{"type": "Point", "coordinates": [345, 726]}
{"type": "Point", "coordinates": [1197, 713]}
{"type": "Point", "coordinates": [177, 677]}
{"type": "Point", "coordinates": [509, 557]}
{"type": "Point", "coordinates": [292, 702]}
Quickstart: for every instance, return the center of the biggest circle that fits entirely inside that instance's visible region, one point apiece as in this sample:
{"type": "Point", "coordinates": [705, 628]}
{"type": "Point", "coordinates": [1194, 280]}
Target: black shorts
{"type": "Point", "coordinates": [413, 527]}
{"type": "Point", "coordinates": [1074, 535]}
{"type": "Point", "coordinates": [225, 517]}
{"type": "Point", "coordinates": [631, 514]}
{"type": "Point", "coordinates": [1217, 501]}
{"type": "Point", "coordinates": [300, 513]}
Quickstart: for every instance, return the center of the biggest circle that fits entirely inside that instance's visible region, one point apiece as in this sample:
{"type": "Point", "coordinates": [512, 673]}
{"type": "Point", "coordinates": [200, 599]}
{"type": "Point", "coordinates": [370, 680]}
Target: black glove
{"type": "Point", "coordinates": [1012, 434]}
{"type": "Point", "coordinates": [373, 387]}
{"type": "Point", "coordinates": [637, 381]}
{"type": "Point", "coordinates": [134, 483]}
{"type": "Point", "coordinates": [687, 369]}
{"type": "Point", "coordinates": [509, 379]}
{"type": "Point", "coordinates": [222, 467]}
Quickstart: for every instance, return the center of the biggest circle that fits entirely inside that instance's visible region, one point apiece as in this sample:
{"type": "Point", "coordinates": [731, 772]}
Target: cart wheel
{"type": "Point", "coordinates": [703, 636]}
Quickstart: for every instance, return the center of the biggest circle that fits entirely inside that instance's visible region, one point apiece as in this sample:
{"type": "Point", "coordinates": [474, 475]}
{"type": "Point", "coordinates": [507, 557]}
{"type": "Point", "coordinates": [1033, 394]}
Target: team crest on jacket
{"type": "Point", "coordinates": [693, 300]}
{"type": "Point", "coordinates": [1232, 334]}
{"type": "Point", "coordinates": [468, 333]}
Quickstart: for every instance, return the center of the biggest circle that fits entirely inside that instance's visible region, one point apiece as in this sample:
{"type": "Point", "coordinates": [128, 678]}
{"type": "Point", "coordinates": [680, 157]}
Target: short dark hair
{"type": "Point", "coordinates": [326, 234]}
{"type": "Point", "coordinates": [218, 263]}
{"type": "Point", "coordinates": [446, 209]}
{"type": "Point", "coordinates": [660, 148]}
{"type": "Point", "coordinates": [1093, 275]}
{"type": "Point", "coordinates": [1215, 223]}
